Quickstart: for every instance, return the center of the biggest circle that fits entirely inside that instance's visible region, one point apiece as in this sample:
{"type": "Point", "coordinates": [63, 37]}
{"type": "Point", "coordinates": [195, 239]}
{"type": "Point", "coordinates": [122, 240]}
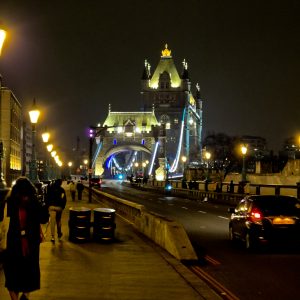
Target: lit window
{"type": "Point", "coordinates": [168, 125]}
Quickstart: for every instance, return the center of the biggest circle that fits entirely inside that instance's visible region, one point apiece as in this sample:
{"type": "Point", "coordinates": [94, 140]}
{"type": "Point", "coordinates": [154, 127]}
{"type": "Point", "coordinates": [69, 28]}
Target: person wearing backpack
{"type": "Point", "coordinates": [56, 200]}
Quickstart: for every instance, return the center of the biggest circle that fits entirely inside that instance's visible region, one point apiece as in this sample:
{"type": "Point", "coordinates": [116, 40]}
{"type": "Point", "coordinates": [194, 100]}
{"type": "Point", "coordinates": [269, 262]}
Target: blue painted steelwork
{"type": "Point", "coordinates": [99, 147]}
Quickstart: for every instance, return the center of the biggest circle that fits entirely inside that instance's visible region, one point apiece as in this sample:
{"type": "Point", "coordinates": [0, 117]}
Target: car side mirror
{"type": "Point", "coordinates": [231, 210]}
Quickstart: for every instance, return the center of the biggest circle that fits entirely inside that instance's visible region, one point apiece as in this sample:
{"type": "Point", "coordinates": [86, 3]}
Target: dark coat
{"type": "Point", "coordinates": [22, 273]}
{"type": "Point", "coordinates": [56, 196]}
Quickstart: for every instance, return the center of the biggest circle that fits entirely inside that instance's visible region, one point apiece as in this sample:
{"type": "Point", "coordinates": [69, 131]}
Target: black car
{"type": "Point", "coordinates": [96, 182]}
{"type": "Point", "coordinates": [260, 219]}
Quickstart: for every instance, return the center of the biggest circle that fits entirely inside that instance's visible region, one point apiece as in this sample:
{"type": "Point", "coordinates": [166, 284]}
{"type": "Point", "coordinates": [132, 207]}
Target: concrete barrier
{"type": "Point", "coordinates": [167, 233]}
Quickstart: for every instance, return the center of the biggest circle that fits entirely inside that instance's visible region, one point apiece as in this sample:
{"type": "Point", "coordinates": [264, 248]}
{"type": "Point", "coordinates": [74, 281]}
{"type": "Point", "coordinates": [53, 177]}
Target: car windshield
{"type": "Point", "coordinates": [280, 205]}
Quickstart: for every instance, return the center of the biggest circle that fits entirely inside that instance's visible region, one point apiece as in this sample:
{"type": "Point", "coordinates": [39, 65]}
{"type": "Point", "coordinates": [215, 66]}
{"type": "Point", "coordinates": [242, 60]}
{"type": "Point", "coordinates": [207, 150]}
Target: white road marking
{"type": "Point", "coordinates": [184, 207]}
{"type": "Point", "coordinates": [202, 212]}
{"type": "Point", "coordinates": [221, 217]}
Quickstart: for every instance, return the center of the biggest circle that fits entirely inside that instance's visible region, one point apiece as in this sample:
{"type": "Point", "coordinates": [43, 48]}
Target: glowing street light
{"type": "Point", "coordinates": [49, 147]}
{"type": "Point", "coordinates": [244, 150]}
{"type": "Point", "coordinates": [34, 114]}
{"type": "Point", "coordinates": [2, 38]}
{"type": "Point", "coordinates": [183, 159]}
{"type": "Point", "coordinates": [45, 137]}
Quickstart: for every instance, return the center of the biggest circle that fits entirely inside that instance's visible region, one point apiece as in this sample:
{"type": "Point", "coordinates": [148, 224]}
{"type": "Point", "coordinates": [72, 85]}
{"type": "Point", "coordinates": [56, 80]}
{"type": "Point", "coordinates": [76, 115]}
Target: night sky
{"type": "Point", "coordinates": [76, 57]}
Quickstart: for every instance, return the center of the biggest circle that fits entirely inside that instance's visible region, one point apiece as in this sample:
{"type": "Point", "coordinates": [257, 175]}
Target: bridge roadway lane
{"type": "Point", "coordinates": [269, 274]}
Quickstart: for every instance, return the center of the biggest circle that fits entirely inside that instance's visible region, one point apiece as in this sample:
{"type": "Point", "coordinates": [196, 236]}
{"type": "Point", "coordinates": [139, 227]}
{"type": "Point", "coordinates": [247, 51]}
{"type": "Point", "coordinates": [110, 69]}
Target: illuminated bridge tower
{"type": "Point", "coordinates": [171, 95]}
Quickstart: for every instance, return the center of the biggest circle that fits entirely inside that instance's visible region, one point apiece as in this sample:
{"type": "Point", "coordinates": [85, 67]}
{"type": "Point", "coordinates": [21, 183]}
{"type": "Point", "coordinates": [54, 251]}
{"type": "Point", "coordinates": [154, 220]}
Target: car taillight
{"type": "Point", "coordinates": [256, 215]}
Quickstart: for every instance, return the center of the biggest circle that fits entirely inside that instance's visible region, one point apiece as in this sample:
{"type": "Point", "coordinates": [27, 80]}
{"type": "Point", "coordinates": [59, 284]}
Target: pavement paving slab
{"type": "Point", "coordinates": [130, 267]}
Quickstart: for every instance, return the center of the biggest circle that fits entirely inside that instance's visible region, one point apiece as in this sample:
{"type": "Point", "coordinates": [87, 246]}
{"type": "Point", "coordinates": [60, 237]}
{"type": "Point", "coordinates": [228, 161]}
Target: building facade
{"type": "Point", "coordinates": [10, 134]}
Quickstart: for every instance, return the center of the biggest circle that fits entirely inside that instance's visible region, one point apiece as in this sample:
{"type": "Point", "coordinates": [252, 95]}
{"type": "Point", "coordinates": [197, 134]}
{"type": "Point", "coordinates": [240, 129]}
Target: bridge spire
{"type": "Point", "coordinates": [146, 72]}
{"type": "Point", "coordinates": [185, 72]}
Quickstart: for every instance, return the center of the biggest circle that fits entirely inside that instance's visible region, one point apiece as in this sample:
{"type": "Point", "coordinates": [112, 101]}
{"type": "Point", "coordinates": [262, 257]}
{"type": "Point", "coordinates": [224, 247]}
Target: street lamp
{"type": "Point", "coordinates": [136, 164]}
{"type": "Point", "coordinates": [183, 159]}
{"type": "Point", "coordinates": [34, 114]}
{"type": "Point", "coordinates": [70, 164]}
{"type": "Point", "coordinates": [244, 151]}
{"type": "Point", "coordinates": [207, 156]}
{"type": "Point", "coordinates": [2, 38]}
{"type": "Point", "coordinates": [45, 137]}
{"type": "Point", "coordinates": [49, 149]}
{"type": "Point", "coordinates": [144, 166]}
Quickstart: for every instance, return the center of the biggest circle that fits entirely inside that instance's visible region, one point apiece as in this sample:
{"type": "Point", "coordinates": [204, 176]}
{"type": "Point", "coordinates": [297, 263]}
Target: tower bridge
{"type": "Point", "coordinates": [169, 127]}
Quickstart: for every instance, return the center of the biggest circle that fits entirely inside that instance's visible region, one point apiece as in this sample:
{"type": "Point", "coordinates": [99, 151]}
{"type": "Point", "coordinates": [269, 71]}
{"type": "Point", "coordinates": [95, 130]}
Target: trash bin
{"type": "Point", "coordinates": [104, 224]}
{"type": "Point", "coordinates": [79, 224]}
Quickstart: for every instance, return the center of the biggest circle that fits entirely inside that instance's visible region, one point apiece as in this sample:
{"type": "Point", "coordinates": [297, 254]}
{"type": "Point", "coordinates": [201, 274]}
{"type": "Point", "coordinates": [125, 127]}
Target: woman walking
{"type": "Point", "coordinates": [21, 263]}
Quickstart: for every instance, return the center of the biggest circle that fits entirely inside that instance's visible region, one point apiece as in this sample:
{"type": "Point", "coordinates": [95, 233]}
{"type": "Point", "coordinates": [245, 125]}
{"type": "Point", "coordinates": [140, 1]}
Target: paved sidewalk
{"type": "Point", "coordinates": [129, 268]}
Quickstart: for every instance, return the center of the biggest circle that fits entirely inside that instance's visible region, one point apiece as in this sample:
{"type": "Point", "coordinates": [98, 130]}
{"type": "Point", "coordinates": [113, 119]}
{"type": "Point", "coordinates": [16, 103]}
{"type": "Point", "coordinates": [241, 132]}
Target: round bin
{"type": "Point", "coordinates": [104, 224]}
{"type": "Point", "coordinates": [79, 224]}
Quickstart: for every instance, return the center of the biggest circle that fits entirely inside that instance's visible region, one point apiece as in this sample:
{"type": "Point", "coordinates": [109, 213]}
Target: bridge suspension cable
{"type": "Point", "coordinates": [153, 158]}
{"type": "Point", "coordinates": [99, 147]}
{"type": "Point", "coordinates": [177, 158]}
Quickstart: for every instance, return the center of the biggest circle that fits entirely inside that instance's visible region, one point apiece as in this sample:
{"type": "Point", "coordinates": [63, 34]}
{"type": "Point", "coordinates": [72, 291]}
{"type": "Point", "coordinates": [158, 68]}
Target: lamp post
{"type": "Point", "coordinates": [85, 162]}
{"type": "Point", "coordinates": [49, 149]}
{"type": "Point", "coordinates": [244, 151]}
{"type": "Point", "coordinates": [183, 159]}
{"type": "Point", "coordinates": [136, 164]}
{"type": "Point", "coordinates": [207, 156]}
{"type": "Point", "coordinates": [2, 38]}
{"type": "Point", "coordinates": [91, 142]}
{"type": "Point", "coordinates": [70, 164]}
{"type": "Point", "coordinates": [144, 166]}
{"type": "Point", "coordinates": [34, 114]}
{"type": "Point", "coordinates": [45, 137]}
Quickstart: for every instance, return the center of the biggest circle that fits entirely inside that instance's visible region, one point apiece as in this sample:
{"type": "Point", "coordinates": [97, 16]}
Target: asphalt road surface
{"type": "Point", "coordinates": [272, 273]}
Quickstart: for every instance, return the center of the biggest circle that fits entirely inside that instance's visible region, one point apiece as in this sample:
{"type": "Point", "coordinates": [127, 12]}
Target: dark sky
{"type": "Point", "coordinates": [76, 57]}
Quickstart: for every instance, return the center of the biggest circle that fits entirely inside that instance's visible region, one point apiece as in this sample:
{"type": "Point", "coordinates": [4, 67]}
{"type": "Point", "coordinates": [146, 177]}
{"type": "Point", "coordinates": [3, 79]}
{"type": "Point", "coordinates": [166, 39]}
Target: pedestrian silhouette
{"type": "Point", "coordinates": [72, 188]}
{"type": "Point", "coordinates": [56, 200]}
{"type": "Point", "coordinates": [80, 188]}
{"type": "Point", "coordinates": [21, 262]}
{"type": "Point", "coordinates": [231, 187]}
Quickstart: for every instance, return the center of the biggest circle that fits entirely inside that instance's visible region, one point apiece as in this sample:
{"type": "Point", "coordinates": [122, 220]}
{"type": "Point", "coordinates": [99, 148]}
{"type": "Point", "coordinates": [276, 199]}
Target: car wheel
{"type": "Point", "coordinates": [232, 237]}
{"type": "Point", "coordinates": [249, 242]}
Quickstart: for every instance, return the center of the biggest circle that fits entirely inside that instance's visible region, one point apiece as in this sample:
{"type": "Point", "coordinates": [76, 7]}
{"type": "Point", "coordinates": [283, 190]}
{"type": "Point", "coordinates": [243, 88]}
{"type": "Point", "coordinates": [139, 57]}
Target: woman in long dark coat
{"type": "Point", "coordinates": [21, 265]}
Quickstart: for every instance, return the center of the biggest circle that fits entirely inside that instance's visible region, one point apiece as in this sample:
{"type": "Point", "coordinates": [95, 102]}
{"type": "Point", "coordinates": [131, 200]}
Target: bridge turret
{"type": "Point", "coordinates": [146, 75]}
{"type": "Point", "coordinates": [186, 83]}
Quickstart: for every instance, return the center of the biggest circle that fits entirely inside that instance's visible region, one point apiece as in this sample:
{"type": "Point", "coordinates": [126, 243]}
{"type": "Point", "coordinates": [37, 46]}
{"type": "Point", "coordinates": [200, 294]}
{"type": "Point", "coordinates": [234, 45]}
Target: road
{"type": "Point", "coordinates": [268, 274]}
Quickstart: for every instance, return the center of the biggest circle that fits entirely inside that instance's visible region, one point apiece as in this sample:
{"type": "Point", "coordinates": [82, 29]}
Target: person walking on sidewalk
{"type": "Point", "coordinates": [21, 262]}
{"type": "Point", "coordinates": [56, 200]}
{"type": "Point", "coordinates": [80, 188]}
{"type": "Point", "coordinates": [72, 188]}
